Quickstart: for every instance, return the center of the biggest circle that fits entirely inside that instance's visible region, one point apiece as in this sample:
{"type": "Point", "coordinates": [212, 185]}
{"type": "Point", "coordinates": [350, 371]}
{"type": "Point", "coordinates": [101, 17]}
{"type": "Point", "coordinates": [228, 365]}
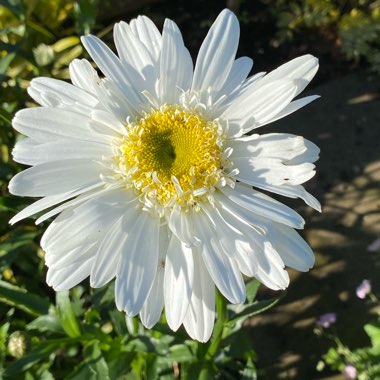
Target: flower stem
{"type": "Point", "coordinates": [221, 311]}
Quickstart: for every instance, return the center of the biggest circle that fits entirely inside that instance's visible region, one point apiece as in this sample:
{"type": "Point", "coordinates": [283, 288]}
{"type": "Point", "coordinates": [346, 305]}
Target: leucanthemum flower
{"type": "Point", "coordinates": [156, 175]}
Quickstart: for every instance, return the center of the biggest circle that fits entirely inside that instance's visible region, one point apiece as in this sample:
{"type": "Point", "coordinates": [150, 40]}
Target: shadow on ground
{"type": "Point", "coordinates": [345, 123]}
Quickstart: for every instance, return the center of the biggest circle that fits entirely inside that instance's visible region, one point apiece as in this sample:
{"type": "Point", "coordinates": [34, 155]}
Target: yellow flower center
{"type": "Point", "coordinates": [172, 155]}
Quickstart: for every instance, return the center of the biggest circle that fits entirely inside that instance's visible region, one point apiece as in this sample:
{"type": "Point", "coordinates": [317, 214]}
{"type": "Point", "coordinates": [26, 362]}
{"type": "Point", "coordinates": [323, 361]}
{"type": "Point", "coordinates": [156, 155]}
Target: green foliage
{"type": "Point", "coordinates": [76, 339]}
{"type": "Point", "coordinates": [359, 32]}
{"type": "Point", "coordinates": [353, 26]}
{"type": "Point", "coordinates": [296, 16]}
{"type": "Point", "coordinates": [366, 360]}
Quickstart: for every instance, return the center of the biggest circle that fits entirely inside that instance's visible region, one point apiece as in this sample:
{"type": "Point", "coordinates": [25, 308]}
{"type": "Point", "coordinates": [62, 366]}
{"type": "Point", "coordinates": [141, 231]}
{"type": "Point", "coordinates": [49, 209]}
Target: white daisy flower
{"type": "Point", "coordinates": [155, 174]}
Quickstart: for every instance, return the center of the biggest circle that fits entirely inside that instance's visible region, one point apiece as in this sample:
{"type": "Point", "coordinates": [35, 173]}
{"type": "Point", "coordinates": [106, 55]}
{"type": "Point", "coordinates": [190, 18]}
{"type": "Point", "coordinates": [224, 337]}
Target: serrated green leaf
{"type": "Point", "coordinates": [21, 299]}
{"type": "Point", "coordinates": [66, 314]}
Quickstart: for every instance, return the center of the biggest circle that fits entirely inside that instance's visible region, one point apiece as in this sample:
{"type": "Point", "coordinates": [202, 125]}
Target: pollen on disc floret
{"type": "Point", "coordinates": [172, 156]}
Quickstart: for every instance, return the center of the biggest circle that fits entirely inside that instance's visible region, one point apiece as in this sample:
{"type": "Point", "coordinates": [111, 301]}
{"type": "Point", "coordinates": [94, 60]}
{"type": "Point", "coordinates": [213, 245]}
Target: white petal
{"type": "Point", "coordinates": [44, 203]}
{"type": "Point", "coordinates": [111, 67]}
{"type": "Point", "coordinates": [176, 65]}
{"type": "Point", "coordinates": [51, 92]}
{"type": "Point", "coordinates": [182, 225]}
{"type": "Point", "coordinates": [200, 316]}
{"type": "Point", "coordinates": [311, 154]}
{"type": "Point", "coordinates": [93, 193]}
{"type": "Point", "coordinates": [258, 106]}
{"type": "Point", "coordinates": [30, 152]}
{"type": "Point", "coordinates": [292, 191]}
{"type": "Point", "coordinates": [83, 75]}
{"type": "Point", "coordinates": [106, 123]}
{"type": "Point", "coordinates": [294, 106]}
{"type": "Point", "coordinates": [152, 309]}
{"type": "Point", "coordinates": [294, 251]}
{"type": "Point", "coordinates": [86, 223]}
{"type": "Point", "coordinates": [240, 213]}
{"type": "Point", "coordinates": [53, 178]}
{"type": "Point", "coordinates": [233, 242]}
{"type": "Point", "coordinates": [239, 72]}
{"type": "Point", "coordinates": [283, 146]}
{"type": "Point", "coordinates": [148, 34]}
{"type": "Point", "coordinates": [272, 171]}
{"type": "Point", "coordinates": [270, 267]}
{"type": "Point", "coordinates": [49, 124]}
{"type": "Point", "coordinates": [138, 264]}
{"type": "Point", "coordinates": [270, 272]}
{"type": "Point", "coordinates": [301, 68]}
{"type": "Point", "coordinates": [135, 57]}
{"type": "Point", "coordinates": [114, 101]}
{"type": "Point", "coordinates": [222, 269]}
{"type": "Point", "coordinates": [263, 205]}
{"type": "Point", "coordinates": [248, 83]}
{"type": "Point", "coordinates": [178, 282]}
{"type": "Point", "coordinates": [107, 256]}
{"type": "Point", "coordinates": [217, 53]}
{"type": "Point", "coordinates": [72, 271]}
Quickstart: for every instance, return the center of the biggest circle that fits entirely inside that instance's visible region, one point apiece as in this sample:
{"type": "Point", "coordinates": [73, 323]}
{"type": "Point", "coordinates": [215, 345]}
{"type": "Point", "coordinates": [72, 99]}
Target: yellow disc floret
{"type": "Point", "coordinates": [172, 155]}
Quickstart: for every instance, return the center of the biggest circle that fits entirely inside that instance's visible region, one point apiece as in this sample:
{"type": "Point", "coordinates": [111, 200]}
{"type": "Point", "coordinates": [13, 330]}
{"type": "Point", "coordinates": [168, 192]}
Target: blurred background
{"type": "Point", "coordinates": [41, 37]}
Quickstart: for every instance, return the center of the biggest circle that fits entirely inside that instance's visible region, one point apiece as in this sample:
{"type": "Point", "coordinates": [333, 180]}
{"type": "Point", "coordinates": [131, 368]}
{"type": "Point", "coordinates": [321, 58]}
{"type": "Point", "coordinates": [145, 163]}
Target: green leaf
{"type": "Point", "coordinates": [257, 307]}
{"type": "Point", "coordinates": [120, 365]}
{"type": "Point", "coordinates": [85, 14]}
{"type": "Point", "coordinates": [252, 288]}
{"type": "Point", "coordinates": [94, 366]}
{"type": "Point", "coordinates": [3, 340]}
{"type": "Point", "coordinates": [151, 367]}
{"type": "Point", "coordinates": [15, 6]}
{"type": "Point", "coordinates": [50, 323]}
{"type": "Point", "coordinates": [6, 61]}
{"type": "Point", "coordinates": [181, 353]}
{"type": "Point", "coordinates": [373, 332]}
{"type": "Point", "coordinates": [249, 372]}
{"type": "Point", "coordinates": [333, 358]}
{"type": "Point", "coordinates": [118, 322]}
{"type": "Point", "coordinates": [6, 116]}
{"type": "Point", "coordinates": [141, 344]}
{"type": "Point", "coordinates": [14, 244]}
{"type": "Point", "coordinates": [66, 314]}
{"type": "Point", "coordinates": [21, 299]}
{"type": "Point", "coordinates": [16, 239]}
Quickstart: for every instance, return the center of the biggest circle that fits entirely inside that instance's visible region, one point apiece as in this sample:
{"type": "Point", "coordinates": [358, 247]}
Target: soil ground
{"type": "Point", "coordinates": [345, 123]}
